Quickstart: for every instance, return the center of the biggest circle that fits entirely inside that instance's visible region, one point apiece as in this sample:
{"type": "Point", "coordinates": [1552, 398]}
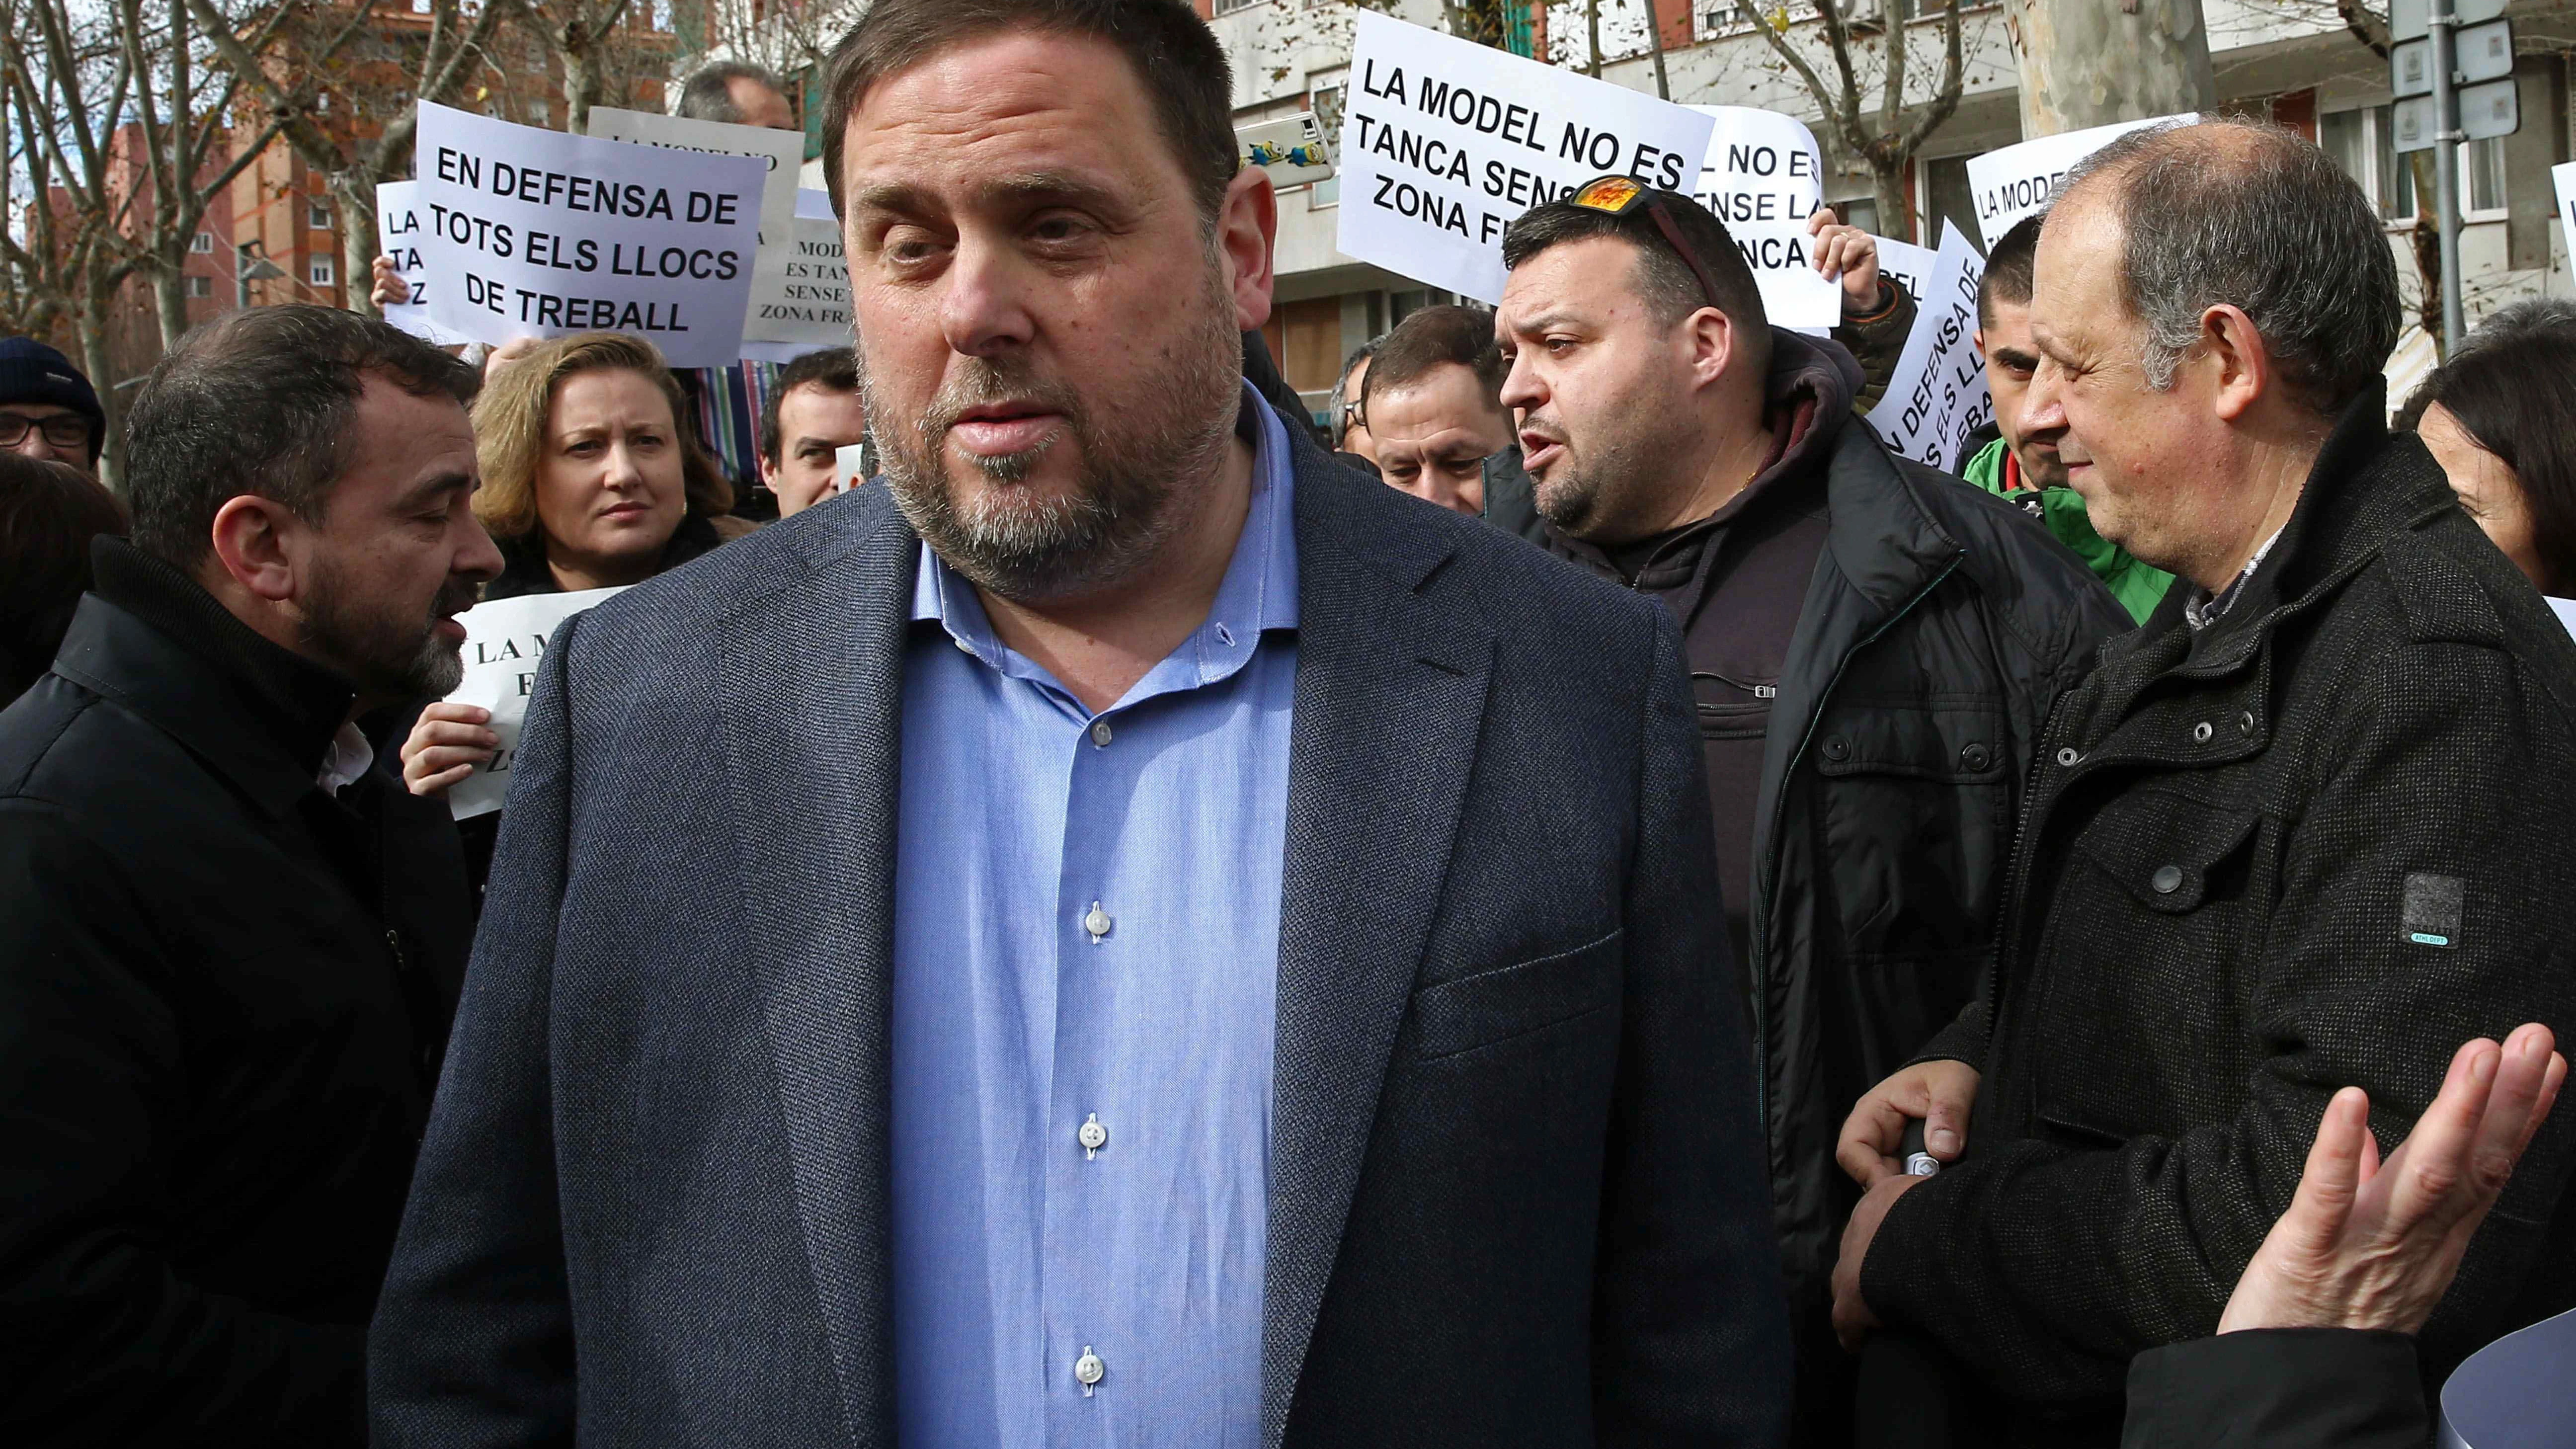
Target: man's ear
{"type": "Point", "coordinates": [1712, 339]}
{"type": "Point", "coordinates": [2241, 365]}
{"type": "Point", "coordinates": [249, 539]}
{"type": "Point", "coordinates": [1246, 226]}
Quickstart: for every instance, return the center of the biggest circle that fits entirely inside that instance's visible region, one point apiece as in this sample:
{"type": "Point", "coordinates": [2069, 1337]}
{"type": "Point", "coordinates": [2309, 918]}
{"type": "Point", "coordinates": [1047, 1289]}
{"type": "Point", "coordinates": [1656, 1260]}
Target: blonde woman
{"type": "Point", "coordinates": [592, 478]}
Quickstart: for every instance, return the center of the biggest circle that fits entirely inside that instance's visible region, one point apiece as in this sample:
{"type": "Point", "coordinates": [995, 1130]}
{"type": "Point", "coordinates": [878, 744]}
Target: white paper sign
{"type": "Point", "coordinates": [1937, 396]}
{"type": "Point", "coordinates": [816, 287]}
{"type": "Point", "coordinates": [780, 151]}
{"type": "Point", "coordinates": [2010, 184]}
{"type": "Point", "coordinates": [504, 640]}
{"type": "Point", "coordinates": [1782, 256]}
{"type": "Point", "coordinates": [398, 235]}
{"type": "Point", "coordinates": [849, 466]}
{"type": "Point", "coordinates": [1445, 142]}
{"type": "Point", "coordinates": [2565, 176]}
{"type": "Point", "coordinates": [1761, 166]}
{"type": "Point", "coordinates": [2566, 610]}
{"type": "Point", "coordinates": [534, 233]}
{"type": "Point", "coordinates": [1905, 264]}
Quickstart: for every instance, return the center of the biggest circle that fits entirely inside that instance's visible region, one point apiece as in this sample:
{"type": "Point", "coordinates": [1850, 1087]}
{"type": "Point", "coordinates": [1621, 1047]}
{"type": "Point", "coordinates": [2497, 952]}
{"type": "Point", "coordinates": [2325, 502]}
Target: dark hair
{"type": "Point", "coordinates": [836, 368]}
{"type": "Point", "coordinates": [1433, 337]}
{"type": "Point", "coordinates": [2252, 215]}
{"type": "Point", "coordinates": [708, 93]}
{"type": "Point", "coordinates": [1663, 279]}
{"type": "Point", "coordinates": [262, 401]}
{"type": "Point", "coordinates": [2515, 393]}
{"type": "Point", "coordinates": [49, 512]}
{"type": "Point", "coordinates": [1175, 56]}
{"type": "Point", "coordinates": [1341, 423]}
{"type": "Point", "coordinates": [2008, 268]}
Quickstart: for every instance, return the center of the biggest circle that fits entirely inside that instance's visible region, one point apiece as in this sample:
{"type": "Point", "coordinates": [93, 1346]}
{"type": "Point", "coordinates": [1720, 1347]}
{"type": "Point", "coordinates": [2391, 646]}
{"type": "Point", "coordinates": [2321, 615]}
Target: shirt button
{"type": "Point", "coordinates": [2167, 879]}
{"type": "Point", "coordinates": [1092, 1136]}
{"type": "Point", "coordinates": [1100, 733]}
{"type": "Point", "coordinates": [1097, 922]}
{"type": "Point", "coordinates": [1089, 1370]}
{"type": "Point", "coordinates": [1837, 748]}
{"type": "Point", "coordinates": [962, 645]}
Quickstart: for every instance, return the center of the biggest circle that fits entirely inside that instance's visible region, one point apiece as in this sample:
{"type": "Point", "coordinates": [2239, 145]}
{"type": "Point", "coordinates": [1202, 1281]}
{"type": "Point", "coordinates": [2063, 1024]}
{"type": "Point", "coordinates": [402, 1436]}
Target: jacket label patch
{"type": "Point", "coordinates": [2430, 914]}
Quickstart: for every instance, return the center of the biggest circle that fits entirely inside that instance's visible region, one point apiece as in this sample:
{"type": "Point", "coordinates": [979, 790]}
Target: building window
{"type": "Point", "coordinates": [1227, 7]}
{"type": "Point", "coordinates": [318, 216]}
{"type": "Point", "coordinates": [320, 272]}
{"type": "Point", "coordinates": [1942, 195]}
{"type": "Point", "coordinates": [201, 286]}
{"type": "Point", "coordinates": [2363, 142]}
{"type": "Point", "coordinates": [203, 241]}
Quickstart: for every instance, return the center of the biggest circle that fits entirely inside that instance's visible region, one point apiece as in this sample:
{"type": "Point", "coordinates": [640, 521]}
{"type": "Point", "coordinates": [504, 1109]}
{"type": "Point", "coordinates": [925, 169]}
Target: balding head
{"type": "Point", "coordinates": [2254, 216]}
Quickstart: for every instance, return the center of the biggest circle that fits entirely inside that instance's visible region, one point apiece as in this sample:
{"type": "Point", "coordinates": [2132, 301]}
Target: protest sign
{"type": "Point", "coordinates": [1905, 264]}
{"type": "Point", "coordinates": [1782, 256]}
{"type": "Point", "coordinates": [813, 305]}
{"type": "Point", "coordinates": [534, 233]}
{"type": "Point", "coordinates": [778, 304]}
{"type": "Point", "coordinates": [1937, 395]}
{"type": "Point", "coordinates": [1444, 142]}
{"type": "Point", "coordinates": [504, 639]}
{"type": "Point", "coordinates": [398, 233]}
{"type": "Point", "coordinates": [2010, 184]}
{"type": "Point", "coordinates": [850, 466]}
{"type": "Point", "coordinates": [1761, 166]}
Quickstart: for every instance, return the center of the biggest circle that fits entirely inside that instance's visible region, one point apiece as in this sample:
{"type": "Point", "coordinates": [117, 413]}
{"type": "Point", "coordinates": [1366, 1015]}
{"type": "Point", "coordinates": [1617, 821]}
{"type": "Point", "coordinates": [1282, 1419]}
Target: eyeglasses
{"type": "Point", "coordinates": [64, 430]}
{"type": "Point", "coordinates": [1616, 195]}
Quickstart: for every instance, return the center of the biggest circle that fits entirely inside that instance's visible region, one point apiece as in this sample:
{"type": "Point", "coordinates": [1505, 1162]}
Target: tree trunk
{"type": "Point", "coordinates": [1592, 37]}
{"type": "Point", "coordinates": [2428, 251]}
{"type": "Point", "coordinates": [170, 299]}
{"type": "Point", "coordinates": [1655, 46]}
{"type": "Point", "coordinates": [2092, 62]}
{"type": "Point", "coordinates": [355, 194]}
{"type": "Point", "coordinates": [1895, 210]}
{"type": "Point", "coordinates": [581, 87]}
{"type": "Point", "coordinates": [90, 326]}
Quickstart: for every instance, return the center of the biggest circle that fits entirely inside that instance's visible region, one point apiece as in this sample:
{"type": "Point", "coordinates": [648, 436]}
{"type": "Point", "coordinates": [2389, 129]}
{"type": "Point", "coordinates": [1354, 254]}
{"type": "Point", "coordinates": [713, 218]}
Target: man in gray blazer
{"type": "Point", "coordinates": [1125, 932]}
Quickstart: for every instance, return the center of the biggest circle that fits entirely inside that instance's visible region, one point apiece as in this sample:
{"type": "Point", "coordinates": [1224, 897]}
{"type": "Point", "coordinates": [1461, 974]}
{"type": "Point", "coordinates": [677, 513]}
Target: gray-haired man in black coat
{"type": "Point", "coordinates": [2305, 829]}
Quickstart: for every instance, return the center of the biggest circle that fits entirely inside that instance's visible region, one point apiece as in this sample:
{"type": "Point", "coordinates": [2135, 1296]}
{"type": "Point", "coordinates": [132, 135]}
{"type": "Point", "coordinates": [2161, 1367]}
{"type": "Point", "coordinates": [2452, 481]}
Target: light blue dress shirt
{"type": "Point", "coordinates": [1086, 958]}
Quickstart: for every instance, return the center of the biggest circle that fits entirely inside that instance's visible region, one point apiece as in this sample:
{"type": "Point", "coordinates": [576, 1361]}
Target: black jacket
{"type": "Point", "coordinates": [222, 999]}
{"type": "Point", "coordinates": [1513, 1198]}
{"type": "Point", "coordinates": [2279, 1388]}
{"type": "Point", "coordinates": [2320, 843]}
{"type": "Point", "coordinates": [1937, 625]}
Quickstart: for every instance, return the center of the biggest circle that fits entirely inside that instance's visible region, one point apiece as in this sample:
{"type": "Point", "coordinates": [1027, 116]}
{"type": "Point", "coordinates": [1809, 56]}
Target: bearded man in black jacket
{"type": "Point", "coordinates": [1872, 646]}
{"type": "Point", "coordinates": [230, 940]}
{"type": "Point", "coordinates": [2306, 828]}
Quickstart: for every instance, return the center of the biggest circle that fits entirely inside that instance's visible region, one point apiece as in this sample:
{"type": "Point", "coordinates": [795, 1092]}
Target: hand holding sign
{"type": "Point", "coordinates": [504, 640]}
{"type": "Point", "coordinates": [1848, 255]}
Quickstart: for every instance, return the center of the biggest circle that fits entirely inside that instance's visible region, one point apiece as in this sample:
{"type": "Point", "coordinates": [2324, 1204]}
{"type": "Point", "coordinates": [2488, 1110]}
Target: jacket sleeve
{"type": "Point", "coordinates": [472, 1341]}
{"type": "Point", "coordinates": [2047, 1265]}
{"type": "Point", "coordinates": [102, 1340]}
{"type": "Point", "coordinates": [1690, 1331]}
{"type": "Point", "coordinates": [1877, 341]}
{"type": "Point", "coordinates": [2279, 1388]}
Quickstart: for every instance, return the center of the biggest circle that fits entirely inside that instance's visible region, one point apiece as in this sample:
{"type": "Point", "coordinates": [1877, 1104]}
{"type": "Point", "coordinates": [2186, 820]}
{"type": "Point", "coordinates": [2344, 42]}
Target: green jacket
{"type": "Point", "coordinates": [2139, 586]}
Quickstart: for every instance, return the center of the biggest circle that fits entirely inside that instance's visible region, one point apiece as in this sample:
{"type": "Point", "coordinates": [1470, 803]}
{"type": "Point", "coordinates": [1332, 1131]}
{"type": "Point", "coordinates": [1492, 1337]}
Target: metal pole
{"type": "Point", "coordinates": [2446, 167]}
{"type": "Point", "coordinates": [241, 275]}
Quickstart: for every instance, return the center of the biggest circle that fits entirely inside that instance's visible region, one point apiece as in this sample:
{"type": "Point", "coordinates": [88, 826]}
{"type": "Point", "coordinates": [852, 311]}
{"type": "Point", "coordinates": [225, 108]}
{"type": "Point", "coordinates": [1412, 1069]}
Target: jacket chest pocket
{"type": "Point", "coordinates": [1496, 1005]}
{"type": "Point", "coordinates": [1914, 813]}
{"type": "Point", "coordinates": [2137, 967]}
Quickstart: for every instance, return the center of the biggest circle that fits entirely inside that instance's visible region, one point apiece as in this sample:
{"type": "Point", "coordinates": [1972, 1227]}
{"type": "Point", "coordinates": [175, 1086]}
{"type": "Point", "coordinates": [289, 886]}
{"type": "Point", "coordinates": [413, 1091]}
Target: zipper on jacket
{"type": "Point", "coordinates": [2008, 937]}
{"type": "Point", "coordinates": [1757, 936]}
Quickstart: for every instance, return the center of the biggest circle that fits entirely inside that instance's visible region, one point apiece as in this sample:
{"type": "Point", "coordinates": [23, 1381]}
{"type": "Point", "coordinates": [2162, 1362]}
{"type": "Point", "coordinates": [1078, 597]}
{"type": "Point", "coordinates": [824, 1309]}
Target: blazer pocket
{"type": "Point", "coordinates": [1495, 1005]}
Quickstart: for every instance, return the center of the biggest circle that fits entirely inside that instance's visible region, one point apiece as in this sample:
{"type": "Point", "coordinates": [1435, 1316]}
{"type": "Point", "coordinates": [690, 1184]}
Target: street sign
{"type": "Point", "coordinates": [2485, 51]}
{"type": "Point", "coordinates": [2490, 110]}
{"type": "Point", "coordinates": [2415, 123]}
{"type": "Point", "coordinates": [2410, 68]}
{"type": "Point", "coordinates": [2410, 19]}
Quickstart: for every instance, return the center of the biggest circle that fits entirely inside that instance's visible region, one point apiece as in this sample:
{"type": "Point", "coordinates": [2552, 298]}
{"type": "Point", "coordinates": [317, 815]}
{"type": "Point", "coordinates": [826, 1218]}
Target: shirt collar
{"type": "Point", "coordinates": [2206, 609]}
{"type": "Point", "coordinates": [347, 761]}
{"type": "Point", "coordinates": [1259, 593]}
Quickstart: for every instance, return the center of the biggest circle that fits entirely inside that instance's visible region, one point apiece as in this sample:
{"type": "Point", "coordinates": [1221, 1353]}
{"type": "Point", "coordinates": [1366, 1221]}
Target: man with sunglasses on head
{"type": "Point", "coordinates": [48, 410]}
{"type": "Point", "coordinates": [1873, 648]}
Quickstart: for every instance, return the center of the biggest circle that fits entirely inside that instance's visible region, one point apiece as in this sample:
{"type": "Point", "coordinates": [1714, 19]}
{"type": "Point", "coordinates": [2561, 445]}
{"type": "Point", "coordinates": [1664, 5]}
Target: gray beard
{"type": "Point", "coordinates": [386, 658]}
{"type": "Point", "coordinates": [1136, 487]}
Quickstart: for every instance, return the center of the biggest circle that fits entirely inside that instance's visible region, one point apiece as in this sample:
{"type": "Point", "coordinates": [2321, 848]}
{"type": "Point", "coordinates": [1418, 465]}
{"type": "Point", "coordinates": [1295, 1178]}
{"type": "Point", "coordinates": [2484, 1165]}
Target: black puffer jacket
{"type": "Point", "coordinates": [2318, 844]}
{"type": "Point", "coordinates": [1937, 627]}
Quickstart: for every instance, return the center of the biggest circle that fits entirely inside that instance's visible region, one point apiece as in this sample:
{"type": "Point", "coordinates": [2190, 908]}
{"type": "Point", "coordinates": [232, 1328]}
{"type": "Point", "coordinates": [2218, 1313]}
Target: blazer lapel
{"type": "Point", "coordinates": [1390, 699]}
{"type": "Point", "coordinates": [812, 689]}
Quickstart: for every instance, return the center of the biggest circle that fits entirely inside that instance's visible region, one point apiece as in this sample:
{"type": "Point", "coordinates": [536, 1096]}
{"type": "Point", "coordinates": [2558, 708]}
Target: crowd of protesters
{"type": "Point", "coordinates": [1689, 928]}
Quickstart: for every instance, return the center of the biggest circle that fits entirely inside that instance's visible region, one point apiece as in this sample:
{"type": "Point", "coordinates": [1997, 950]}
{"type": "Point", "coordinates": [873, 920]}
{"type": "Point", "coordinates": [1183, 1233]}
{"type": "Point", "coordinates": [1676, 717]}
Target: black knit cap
{"type": "Point", "coordinates": [31, 372]}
